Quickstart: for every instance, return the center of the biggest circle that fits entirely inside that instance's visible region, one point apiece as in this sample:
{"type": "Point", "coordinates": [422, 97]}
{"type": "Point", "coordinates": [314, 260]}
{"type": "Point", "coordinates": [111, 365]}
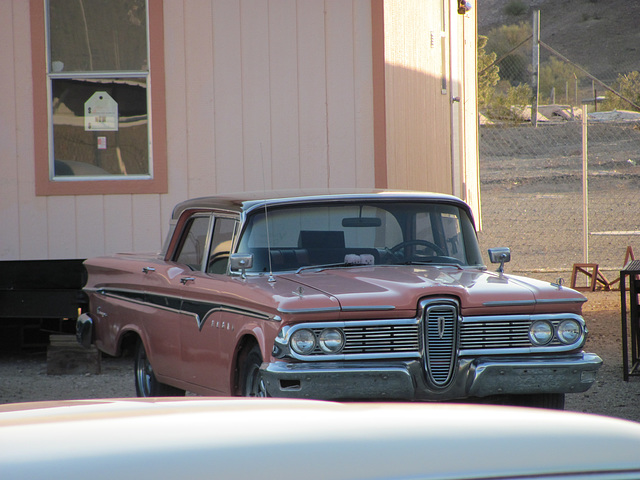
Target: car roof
{"type": "Point", "coordinates": [246, 201]}
{"type": "Point", "coordinates": [242, 438]}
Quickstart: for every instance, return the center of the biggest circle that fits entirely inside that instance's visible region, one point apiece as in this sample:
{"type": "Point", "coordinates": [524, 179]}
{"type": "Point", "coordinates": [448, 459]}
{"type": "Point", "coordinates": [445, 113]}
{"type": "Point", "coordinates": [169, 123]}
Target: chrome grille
{"type": "Point", "coordinates": [495, 334]}
{"type": "Point", "coordinates": [378, 339]}
{"type": "Point", "coordinates": [440, 342]}
{"type": "Point", "coordinates": [381, 339]}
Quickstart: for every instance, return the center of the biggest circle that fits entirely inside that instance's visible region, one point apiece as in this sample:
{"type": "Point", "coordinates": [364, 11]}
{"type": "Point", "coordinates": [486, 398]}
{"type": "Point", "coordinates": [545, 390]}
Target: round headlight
{"type": "Point", "coordinates": [569, 331]}
{"type": "Point", "coordinates": [331, 340]}
{"type": "Point", "coordinates": [303, 341]}
{"type": "Point", "coordinates": [541, 332]}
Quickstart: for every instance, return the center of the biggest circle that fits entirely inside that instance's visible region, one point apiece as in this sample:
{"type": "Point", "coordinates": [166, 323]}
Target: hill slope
{"type": "Point", "coordinates": [602, 36]}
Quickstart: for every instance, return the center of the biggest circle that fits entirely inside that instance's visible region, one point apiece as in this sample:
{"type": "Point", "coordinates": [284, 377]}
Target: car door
{"type": "Point", "coordinates": [165, 286]}
{"type": "Point", "coordinates": [204, 359]}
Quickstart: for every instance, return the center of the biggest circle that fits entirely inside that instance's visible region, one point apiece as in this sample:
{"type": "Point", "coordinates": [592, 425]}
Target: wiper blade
{"type": "Point", "coordinates": [432, 262]}
{"type": "Point", "coordinates": [333, 265]}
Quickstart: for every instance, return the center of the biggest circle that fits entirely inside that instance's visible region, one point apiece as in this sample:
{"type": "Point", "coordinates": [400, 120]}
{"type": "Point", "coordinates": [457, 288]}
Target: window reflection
{"type": "Point", "coordinates": [98, 35]}
{"type": "Point", "coordinates": [98, 74]}
{"type": "Point", "coordinates": [79, 151]}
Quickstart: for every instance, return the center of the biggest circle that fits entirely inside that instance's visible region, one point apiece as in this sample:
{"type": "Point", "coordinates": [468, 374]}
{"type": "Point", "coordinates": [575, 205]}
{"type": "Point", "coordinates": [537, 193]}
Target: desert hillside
{"type": "Point", "coordinates": [602, 36]}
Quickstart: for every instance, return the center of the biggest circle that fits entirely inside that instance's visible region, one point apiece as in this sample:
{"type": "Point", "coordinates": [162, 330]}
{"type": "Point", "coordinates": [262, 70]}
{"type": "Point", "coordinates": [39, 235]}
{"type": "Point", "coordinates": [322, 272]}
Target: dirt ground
{"type": "Point", "coordinates": [24, 378]}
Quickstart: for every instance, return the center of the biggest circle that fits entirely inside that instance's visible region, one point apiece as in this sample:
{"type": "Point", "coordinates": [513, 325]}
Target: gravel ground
{"type": "Point", "coordinates": [24, 378]}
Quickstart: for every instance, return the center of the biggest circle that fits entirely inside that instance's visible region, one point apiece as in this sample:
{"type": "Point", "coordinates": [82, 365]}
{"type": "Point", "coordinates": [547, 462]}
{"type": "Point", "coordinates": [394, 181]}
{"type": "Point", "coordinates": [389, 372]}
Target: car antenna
{"type": "Point", "coordinates": [266, 221]}
{"type": "Point", "coordinates": [266, 217]}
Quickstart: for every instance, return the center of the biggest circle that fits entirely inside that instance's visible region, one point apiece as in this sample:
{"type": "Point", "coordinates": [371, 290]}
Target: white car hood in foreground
{"type": "Point", "coordinates": [287, 439]}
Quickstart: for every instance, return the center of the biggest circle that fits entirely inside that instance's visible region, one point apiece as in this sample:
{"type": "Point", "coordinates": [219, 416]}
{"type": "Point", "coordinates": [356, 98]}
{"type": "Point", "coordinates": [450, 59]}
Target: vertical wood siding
{"type": "Point", "coordinates": [259, 95]}
{"type": "Point", "coordinates": [9, 188]}
{"type": "Point", "coordinates": [418, 113]}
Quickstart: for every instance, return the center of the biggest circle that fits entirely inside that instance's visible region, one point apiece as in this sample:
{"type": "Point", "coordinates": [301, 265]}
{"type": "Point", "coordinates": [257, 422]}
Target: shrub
{"type": "Point", "coordinates": [628, 85]}
{"type": "Point", "coordinates": [515, 8]}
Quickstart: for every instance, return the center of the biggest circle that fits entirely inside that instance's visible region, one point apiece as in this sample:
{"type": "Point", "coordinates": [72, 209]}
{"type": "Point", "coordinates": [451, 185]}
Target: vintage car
{"type": "Point", "coordinates": [335, 296]}
{"type": "Point", "coordinates": [286, 439]}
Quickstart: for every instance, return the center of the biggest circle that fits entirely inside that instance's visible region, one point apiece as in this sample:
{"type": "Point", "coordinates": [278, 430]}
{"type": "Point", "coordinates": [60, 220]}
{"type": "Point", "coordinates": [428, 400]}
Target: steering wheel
{"type": "Point", "coordinates": [424, 243]}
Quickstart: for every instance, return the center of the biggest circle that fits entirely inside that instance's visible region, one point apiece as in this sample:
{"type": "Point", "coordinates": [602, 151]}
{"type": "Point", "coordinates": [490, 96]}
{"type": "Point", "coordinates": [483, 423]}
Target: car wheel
{"type": "Point", "coordinates": [146, 383]}
{"type": "Point", "coordinates": [553, 401]}
{"type": "Point", "coordinates": [251, 380]}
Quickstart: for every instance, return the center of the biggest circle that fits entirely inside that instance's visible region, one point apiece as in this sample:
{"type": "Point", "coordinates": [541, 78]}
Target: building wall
{"type": "Point", "coordinates": [418, 113]}
{"type": "Point", "coordinates": [259, 95]}
{"type": "Point", "coordinates": [431, 127]}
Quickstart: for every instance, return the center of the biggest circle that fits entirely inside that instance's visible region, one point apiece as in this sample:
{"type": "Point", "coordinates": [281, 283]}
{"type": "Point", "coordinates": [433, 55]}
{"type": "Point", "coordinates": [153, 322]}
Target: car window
{"type": "Point", "coordinates": [194, 242]}
{"type": "Point", "coordinates": [381, 233]}
{"type": "Point", "coordinates": [222, 239]}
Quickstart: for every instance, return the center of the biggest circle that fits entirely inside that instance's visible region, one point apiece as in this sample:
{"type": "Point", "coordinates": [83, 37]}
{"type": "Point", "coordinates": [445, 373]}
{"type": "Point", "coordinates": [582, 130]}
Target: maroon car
{"type": "Point", "coordinates": [378, 295]}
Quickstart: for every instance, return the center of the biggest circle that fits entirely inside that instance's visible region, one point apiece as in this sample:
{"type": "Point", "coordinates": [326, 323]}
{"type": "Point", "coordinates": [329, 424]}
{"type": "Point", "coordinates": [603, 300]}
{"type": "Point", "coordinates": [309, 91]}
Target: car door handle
{"type": "Point", "coordinates": [148, 269]}
{"type": "Point", "coordinates": [184, 280]}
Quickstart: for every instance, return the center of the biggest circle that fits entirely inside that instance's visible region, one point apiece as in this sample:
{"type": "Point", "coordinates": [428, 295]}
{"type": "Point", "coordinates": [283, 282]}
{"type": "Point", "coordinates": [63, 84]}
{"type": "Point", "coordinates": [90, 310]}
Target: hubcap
{"type": "Point", "coordinates": [145, 373]}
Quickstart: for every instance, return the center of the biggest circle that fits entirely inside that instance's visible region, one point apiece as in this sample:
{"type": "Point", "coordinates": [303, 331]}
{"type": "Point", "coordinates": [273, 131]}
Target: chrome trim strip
{"type": "Point", "coordinates": [562, 300]}
{"type": "Point", "coordinates": [310, 310]}
{"type": "Point", "coordinates": [509, 303]}
{"type": "Point", "coordinates": [524, 316]}
{"type": "Point", "coordinates": [371, 308]}
{"type": "Point", "coordinates": [197, 309]}
{"type": "Point", "coordinates": [520, 303]}
{"type": "Point", "coordinates": [365, 308]}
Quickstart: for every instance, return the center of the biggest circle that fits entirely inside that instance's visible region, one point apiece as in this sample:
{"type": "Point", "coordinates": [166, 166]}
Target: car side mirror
{"type": "Point", "coordinates": [501, 256]}
{"type": "Point", "coordinates": [240, 262]}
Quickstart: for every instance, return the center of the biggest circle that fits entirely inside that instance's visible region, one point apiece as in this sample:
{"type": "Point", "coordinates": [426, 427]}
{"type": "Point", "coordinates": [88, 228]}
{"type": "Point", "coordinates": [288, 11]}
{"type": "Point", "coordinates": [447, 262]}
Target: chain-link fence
{"type": "Point", "coordinates": [532, 181]}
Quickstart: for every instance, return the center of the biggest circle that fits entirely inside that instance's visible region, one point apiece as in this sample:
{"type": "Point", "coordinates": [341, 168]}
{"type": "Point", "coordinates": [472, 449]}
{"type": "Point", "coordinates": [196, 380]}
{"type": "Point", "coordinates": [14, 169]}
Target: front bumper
{"type": "Point", "coordinates": [406, 380]}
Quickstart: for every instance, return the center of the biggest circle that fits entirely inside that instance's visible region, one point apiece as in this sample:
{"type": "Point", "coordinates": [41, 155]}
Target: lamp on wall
{"type": "Point", "coordinates": [464, 6]}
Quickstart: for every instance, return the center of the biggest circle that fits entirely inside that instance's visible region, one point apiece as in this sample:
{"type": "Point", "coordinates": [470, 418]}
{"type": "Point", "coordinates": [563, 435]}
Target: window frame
{"type": "Point", "coordinates": [156, 105]}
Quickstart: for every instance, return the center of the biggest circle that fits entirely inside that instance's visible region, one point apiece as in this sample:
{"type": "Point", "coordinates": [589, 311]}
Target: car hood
{"type": "Point", "coordinates": [401, 287]}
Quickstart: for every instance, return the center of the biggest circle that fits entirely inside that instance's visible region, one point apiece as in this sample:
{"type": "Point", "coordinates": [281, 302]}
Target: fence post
{"type": "Point", "coordinates": [585, 184]}
{"type": "Point", "coordinates": [535, 54]}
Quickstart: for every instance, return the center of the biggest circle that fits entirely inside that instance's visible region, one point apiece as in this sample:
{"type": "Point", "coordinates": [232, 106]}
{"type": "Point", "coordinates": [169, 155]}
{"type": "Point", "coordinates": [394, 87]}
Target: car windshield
{"type": "Point", "coordinates": [367, 233]}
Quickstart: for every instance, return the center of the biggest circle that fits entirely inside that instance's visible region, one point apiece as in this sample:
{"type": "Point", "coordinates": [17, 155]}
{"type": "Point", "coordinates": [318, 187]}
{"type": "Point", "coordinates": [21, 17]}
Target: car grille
{"type": "Point", "coordinates": [440, 324]}
{"type": "Point", "coordinates": [494, 334]}
{"type": "Point", "coordinates": [378, 339]}
{"type": "Point", "coordinates": [439, 337]}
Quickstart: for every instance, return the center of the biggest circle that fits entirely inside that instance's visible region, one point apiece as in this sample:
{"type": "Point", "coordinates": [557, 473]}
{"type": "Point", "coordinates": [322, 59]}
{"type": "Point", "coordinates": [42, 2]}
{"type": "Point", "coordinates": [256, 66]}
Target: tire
{"type": "Point", "coordinates": [145, 380]}
{"type": "Point", "coordinates": [554, 401]}
{"type": "Point", "coordinates": [251, 381]}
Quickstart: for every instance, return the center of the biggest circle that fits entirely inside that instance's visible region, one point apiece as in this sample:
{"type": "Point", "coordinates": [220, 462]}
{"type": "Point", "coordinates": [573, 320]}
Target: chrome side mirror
{"type": "Point", "coordinates": [240, 262]}
{"type": "Point", "coordinates": [501, 256]}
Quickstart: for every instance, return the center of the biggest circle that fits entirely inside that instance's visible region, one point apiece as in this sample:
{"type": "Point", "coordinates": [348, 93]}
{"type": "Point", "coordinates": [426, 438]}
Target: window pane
{"type": "Point", "coordinates": [194, 243]}
{"type": "Point", "coordinates": [98, 35]}
{"type": "Point", "coordinates": [118, 146]}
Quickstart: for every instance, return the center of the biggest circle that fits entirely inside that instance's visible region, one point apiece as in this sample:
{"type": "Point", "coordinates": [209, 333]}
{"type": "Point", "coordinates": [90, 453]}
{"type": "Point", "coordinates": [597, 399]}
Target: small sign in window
{"type": "Point", "coordinates": [101, 113]}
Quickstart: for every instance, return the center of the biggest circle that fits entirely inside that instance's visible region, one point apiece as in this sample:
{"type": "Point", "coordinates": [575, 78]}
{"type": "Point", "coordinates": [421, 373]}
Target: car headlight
{"type": "Point", "coordinates": [541, 332]}
{"type": "Point", "coordinates": [569, 331]}
{"type": "Point", "coordinates": [303, 341]}
{"type": "Point", "coordinates": [331, 340]}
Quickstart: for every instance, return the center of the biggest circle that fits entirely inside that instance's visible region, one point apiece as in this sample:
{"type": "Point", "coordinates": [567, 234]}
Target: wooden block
{"type": "Point", "coordinates": [65, 356]}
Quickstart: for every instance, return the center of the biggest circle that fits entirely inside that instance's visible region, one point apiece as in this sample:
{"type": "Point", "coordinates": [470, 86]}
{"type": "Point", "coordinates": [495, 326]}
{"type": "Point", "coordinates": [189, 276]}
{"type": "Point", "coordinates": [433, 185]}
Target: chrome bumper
{"type": "Point", "coordinates": [406, 380]}
{"type": "Point", "coordinates": [84, 330]}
